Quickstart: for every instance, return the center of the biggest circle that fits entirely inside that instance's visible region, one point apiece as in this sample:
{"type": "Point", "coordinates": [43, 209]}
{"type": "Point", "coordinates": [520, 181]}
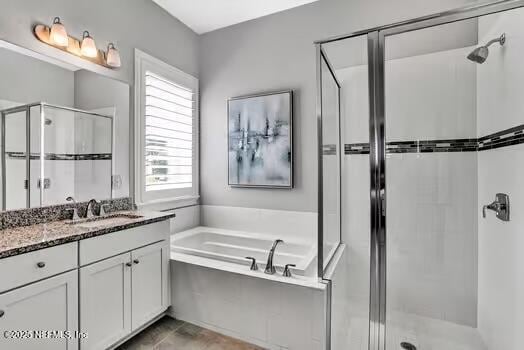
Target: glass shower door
{"type": "Point", "coordinates": [445, 138]}
{"type": "Point", "coordinates": [78, 155]}
{"type": "Point", "coordinates": [346, 196]}
{"type": "Point", "coordinates": [330, 111]}
{"type": "Point", "coordinates": [431, 188]}
{"type": "Point", "coordinates": [15, 184]}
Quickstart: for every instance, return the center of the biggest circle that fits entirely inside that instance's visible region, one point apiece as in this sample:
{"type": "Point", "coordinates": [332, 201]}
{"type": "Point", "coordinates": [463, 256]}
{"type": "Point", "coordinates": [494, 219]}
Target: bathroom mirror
{"type": "Point", "coordinates": [59, 124]}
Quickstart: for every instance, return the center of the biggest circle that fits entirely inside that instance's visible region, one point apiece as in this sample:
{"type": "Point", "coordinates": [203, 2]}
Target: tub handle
{"type": "Point", "coordinates": [254, 265]}
{"type": "Point", "coordinates": [287, 271]}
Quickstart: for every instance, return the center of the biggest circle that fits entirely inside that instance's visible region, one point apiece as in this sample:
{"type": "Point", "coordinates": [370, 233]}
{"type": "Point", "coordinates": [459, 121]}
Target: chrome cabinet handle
{"type": "Point", "coordinates": [254, 265]}
{"type": "Point", "coordinates": [136, 261]}
{"type": "Point", "coordinates": [128, 264]}
{"type": "Point", "coordinates": [40, 264]}
{"type": "Point", "coordinates": [287, 271]}
{"type": "Point", "coordinates": [2, 313]}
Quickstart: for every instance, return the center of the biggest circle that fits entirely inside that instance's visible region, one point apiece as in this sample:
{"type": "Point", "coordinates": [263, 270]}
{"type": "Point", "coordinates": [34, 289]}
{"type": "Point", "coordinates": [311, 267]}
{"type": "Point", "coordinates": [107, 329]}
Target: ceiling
{"type": "Point", "coordinates": [206, 15]}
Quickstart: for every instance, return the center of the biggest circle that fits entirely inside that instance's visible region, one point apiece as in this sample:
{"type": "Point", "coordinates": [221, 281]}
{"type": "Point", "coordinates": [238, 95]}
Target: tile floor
{"type": "Point", "coordinates": [170, 334]}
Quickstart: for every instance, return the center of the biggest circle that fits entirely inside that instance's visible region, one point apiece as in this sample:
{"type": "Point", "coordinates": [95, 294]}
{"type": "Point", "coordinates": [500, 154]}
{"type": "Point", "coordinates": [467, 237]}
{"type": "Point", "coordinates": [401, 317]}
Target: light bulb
{"type": "Point", "coordinates": [88, 47]}
{"type": "Point", "coordinates": [113, 56]}
{"type": "Point", "coordinates": [58, 35]}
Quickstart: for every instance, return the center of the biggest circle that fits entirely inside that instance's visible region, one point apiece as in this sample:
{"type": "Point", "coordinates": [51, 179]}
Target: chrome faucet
{"type": "Point", "coordinates": [270, 269]}
{"type": "Point", "coordinates": [90, 210]}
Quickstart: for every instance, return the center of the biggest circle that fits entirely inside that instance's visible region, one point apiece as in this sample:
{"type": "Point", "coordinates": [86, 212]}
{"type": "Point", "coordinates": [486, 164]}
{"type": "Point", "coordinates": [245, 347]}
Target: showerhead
{"type": "Point", "coordinates": [480, 54]}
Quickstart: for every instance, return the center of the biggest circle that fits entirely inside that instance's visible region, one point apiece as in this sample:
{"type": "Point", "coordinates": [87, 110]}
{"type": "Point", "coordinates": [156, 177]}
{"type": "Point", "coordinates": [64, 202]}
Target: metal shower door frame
{"type": "Point", "coordinates": [377, 122]}
{"type": "Point", "coordinates": [41, 120]}
{"type": "Point", "coordinates": [321, 57]}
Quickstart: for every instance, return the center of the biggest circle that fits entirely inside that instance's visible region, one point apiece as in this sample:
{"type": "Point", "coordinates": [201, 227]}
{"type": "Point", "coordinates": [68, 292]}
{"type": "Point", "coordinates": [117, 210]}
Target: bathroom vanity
{"type": "Point", "coordinates": [92, 283]}
{"type": "Point", "coordinates": [85, 285]}
{"type": "Point", "coordinates": [65, 139]}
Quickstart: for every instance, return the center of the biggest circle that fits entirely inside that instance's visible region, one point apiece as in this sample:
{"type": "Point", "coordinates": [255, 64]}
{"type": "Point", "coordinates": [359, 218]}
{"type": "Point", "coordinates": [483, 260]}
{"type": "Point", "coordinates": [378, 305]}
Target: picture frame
{"type": "Point", "coordinates": [260, 140]}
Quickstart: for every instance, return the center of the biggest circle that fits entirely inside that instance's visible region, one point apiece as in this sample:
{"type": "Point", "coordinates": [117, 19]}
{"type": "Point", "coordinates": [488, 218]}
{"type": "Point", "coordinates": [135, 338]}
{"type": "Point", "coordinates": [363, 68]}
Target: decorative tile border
{"type": "Point", "coordinates": [430, 146]}
{"type": "Point", "coordinates": [356, 148]}
{"type": "Point", "coordinates": [33, 216]}
{"type": "Point", "coordinates": [508, 137]}
{"type": "Point", "coordinates": [329, 150]}
{"type": "Point", "coordinates": [64, 156]}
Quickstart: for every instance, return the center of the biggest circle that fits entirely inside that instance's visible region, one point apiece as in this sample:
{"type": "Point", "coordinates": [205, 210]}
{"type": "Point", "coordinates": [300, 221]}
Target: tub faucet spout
{"type": "Point", "coordinates": [270, 269]}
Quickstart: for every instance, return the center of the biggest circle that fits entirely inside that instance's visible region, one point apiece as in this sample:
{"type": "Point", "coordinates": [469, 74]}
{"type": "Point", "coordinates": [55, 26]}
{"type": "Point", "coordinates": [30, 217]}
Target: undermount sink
{"type": "Point", "coordinates": [111, 219]}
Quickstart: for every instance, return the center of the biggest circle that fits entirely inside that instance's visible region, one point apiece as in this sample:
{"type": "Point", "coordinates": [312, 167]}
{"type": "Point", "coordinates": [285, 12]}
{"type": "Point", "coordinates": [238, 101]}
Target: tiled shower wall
{"type": "Point", "coordinates": [501, 261]}
{"type": "Point", "coordinates": [431, 197]}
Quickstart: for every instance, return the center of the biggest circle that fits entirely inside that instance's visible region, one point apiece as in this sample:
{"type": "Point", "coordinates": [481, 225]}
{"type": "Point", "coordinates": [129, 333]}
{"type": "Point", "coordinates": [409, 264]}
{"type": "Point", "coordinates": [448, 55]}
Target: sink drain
{"type": "Point", "coordinates": [407, 346]}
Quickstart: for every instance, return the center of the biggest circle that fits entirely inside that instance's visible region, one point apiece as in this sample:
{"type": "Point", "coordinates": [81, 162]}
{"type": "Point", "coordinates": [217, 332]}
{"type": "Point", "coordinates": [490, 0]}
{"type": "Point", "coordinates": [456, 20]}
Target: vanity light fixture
{"type": "Point", "coordinates": [88, 46]}
{"type": "Point", "coordinates": [58, 33]}
{"type": "Point", "coordinates": [113, 56]}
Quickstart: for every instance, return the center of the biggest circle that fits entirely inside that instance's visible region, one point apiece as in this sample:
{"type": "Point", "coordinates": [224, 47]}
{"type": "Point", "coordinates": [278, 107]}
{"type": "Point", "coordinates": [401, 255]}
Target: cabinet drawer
{"type": "Point", "coordinates": [29, 267]}
{"type": "Point", "coordinates": [101, 247]}
{"type": "Point", "coordinates": [51, 304]}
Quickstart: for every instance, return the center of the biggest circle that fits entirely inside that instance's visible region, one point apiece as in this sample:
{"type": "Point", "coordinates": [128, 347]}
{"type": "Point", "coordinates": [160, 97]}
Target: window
{"type": "Point", "coordinates": [165, 132]}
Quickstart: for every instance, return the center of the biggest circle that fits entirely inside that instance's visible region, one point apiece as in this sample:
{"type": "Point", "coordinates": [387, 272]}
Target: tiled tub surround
{"type": "Point", "coordinates": [22, 239]}
{"type": "Point", "coordinates": [268, 313]}
{"type": "Point", "coordinates": [296, 225]}
{"type": "Point", "coordinates": [224, 295]}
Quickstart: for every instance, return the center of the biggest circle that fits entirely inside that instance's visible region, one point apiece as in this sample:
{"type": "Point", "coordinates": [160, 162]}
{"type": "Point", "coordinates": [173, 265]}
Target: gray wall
{"type": "Point", "coordinates": [129, 24]}
{"type": "Point", "coordinates": [272, 53]}
{"type": "Point", "coordinates": [25, 79]}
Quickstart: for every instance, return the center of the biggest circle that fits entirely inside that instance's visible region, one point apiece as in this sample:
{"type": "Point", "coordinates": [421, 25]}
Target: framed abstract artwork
{"type": "Point", "coordinates": [260, 140]}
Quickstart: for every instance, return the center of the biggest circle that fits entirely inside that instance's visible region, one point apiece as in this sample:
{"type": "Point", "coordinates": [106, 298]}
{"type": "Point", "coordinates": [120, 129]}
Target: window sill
{"type": "Point", "coordinates": [169, 203]}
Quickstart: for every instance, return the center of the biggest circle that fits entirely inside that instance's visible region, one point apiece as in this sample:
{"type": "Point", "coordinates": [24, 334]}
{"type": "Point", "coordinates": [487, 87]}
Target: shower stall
{"type": "Point", "coordinates": [421, 132]}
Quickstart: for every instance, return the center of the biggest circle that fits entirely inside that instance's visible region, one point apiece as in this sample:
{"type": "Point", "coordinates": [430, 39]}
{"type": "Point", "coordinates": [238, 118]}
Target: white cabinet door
{"type": "Point", "coordinates": [105, 302]}
{"type": "Point", "coordinates": [50, 306]}
{"type": "Point", "coordinates": [149, 282]}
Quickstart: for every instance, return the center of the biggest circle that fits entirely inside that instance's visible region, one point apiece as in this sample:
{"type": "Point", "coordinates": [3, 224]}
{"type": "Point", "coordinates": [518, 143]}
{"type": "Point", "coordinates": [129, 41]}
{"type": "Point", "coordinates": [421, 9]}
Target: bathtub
{"type": "Point", "coordinates": [234, 246]}
{"type": "Point", "coordinates": [213, 287]}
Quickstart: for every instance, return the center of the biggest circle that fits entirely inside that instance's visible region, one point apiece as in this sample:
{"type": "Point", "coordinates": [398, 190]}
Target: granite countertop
{"type": "Point", "coordinates": [23, 239]}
